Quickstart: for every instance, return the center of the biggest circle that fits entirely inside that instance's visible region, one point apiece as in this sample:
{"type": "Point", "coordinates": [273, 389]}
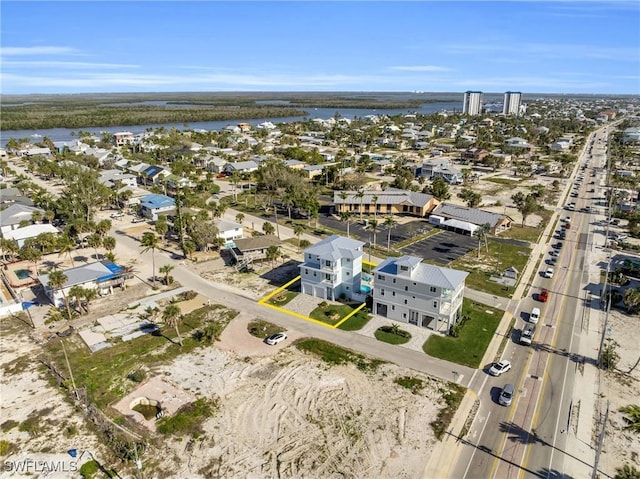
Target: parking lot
{"type": "Point", "coordinates": [442, 248]}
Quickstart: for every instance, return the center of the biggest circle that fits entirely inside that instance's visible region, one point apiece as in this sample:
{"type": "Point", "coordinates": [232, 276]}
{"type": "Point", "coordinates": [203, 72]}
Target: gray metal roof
{"type": "Point", "coordinates": [337, 247]}
{"type": "Point", "coordinates": [16, 213]}
{"type": "Point", "coordinates": [390, 196]}
{"type": "Point", "coordinates": [428, 274]}
{"type": "Point", "coordinates": [80, 274]}
{"type": "Point", "coordinates": [226, 225]}
{"type": "Point", "coordinates": [256, 243]}
{"type": "Point", "coordinates": [472, 215]}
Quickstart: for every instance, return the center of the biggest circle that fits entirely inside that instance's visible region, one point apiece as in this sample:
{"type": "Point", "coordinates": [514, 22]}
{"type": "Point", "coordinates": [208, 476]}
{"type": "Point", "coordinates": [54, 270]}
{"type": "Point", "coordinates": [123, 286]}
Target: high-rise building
{"type": "Point", "coordinates": [511, 104]}
{"type": "Point", "coordinates": [472, 104]}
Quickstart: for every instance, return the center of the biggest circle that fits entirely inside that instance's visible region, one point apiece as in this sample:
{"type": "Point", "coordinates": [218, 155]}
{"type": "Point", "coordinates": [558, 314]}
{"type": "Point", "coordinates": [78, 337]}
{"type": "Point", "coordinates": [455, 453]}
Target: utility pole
{"type": "Point", "coordinates": [73, 382]}
{"type": "Point", "coordinates": [594, 474]}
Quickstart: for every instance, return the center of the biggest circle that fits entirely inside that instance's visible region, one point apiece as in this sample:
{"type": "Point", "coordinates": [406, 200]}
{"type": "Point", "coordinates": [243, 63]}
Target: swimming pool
{"type": "Point", "coordinates": [23, 273]}
{"type": "Point", "coordinates": [365, 289]}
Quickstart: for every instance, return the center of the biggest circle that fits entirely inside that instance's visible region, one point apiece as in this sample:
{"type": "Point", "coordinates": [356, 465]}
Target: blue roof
{"type": "Point", "coordinates": [157, 201]}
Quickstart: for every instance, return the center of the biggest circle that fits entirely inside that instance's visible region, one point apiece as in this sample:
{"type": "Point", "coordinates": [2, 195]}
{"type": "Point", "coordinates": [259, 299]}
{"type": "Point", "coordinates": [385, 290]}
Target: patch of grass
{"type": "Point", "coordinates": [31, 425]}
{"type": "Point", "coordinates": [474, 336]}
{"type": "Point", "coordinates": [357, 321]}
{"type": "Point", "coordinates": [104, 373]}
{"type": "Point", "coordinates": [331, 313]}
{"type": "Point", "coordinates": [6, 447]}
{"type": "Point", "coordinates": [282, 298]}
{"type": "Point", "coordinates": [500, 256]}
{"type": "Point", "coordinates": [9, 424]}
{"type": "Point", "coordinates": [529, 233]}
{"type": "Point", "coordinates": [263, 329]}
{"type": "Point", "coordinates": [413, 384]}
{"type": "Point", "coordinates": [452, 399]}
{"type": "Point", "coordinates": [333, 354]}
{"type": "Point", "coordinates": [188, 419]}
{"type": "Point", "coordinates": [89, 469]}
{"type": "Point", "coordinates": [391, 335]}
{"type": "Point", "coordinates": [503, 181]}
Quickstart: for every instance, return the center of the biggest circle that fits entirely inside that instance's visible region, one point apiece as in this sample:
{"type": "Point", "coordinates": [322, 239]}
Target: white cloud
{"type": "Point", "coordinates": [420, 68]}
{"type": "Point", "coordinates": [41, 50]}
{"type": "Point", "coordinates": [63, 64]}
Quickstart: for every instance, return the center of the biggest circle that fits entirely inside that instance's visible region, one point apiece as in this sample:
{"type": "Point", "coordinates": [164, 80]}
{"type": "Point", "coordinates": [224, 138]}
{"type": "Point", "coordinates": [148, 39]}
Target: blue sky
{"type": "Point", "coordinates": [123, 46]}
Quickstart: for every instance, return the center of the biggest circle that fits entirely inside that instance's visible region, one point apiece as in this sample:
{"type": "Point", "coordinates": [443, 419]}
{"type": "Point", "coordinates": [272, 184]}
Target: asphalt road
{"type": "Point", "coordinates": [528, 438]}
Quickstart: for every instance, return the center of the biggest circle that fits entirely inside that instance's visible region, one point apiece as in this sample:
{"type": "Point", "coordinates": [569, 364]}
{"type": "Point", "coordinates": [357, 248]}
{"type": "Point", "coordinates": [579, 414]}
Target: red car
{"type": "Point", "coordinates": [543, 295]}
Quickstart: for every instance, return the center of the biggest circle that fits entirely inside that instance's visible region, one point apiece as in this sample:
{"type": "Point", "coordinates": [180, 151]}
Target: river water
{"type": "Point", "coordinates": [68, 134]}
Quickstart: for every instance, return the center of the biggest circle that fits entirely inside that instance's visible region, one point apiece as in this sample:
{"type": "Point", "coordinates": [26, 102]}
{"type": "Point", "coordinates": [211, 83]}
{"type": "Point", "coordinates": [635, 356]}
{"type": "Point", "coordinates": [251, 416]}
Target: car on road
{"type": "Point", "coordinates": [543, 295]}
{"type": "Point", "coordinates": [506, 395]}
{"type": "Point", "coordinates": [554, 253]}
{"type": "Point", "coordinates": [548, 273]}
{"type": "Point", "coordinates": [117, 215]}
{"type": "Point", "coordinates": [620, 237]}
{"type": "Point", "coordinates": [552, 261]}
{"type": "Point", "coordinates": [558, 245]}
{"type": "Point", "coordinates": [534, 316]}
{"type": "Point", "coordinates": [275, 339]}
{"type": "Point", "coordinates": [500, 368]}
{"type": "Point", "coordinates": [526, 336]}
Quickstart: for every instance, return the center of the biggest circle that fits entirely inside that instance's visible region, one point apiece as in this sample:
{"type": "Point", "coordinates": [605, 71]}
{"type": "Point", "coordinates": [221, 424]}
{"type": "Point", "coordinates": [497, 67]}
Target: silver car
{"type": "Point", "coordinates": [506, 396]}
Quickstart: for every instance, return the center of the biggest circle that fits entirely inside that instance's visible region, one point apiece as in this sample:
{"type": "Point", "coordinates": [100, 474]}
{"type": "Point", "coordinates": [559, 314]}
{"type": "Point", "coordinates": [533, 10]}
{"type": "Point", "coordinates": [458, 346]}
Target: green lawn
{"type": "Point", "coordinates": [392, 338]}
{"type": "Point", "coordinates": [282, 298]}
{"type": "Point", "coordinates": [500, 257]}
{"type": "Point", "coordinates": [475, 335]}
{"type": "Point", "coordinates": [105, 373]}
{"type": "Point", "coordinates": [332, 313]}
{"type": "Point", "coordinates": [357, 321]}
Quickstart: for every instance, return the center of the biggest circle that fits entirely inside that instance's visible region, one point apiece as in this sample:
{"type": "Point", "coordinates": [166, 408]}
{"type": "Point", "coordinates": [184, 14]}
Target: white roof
{"type": "Point", "coordinates": [30, 231]}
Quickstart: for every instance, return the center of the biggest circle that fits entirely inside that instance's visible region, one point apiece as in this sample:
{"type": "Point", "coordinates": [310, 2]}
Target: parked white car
{"type": "Point", "coordinates": [548, 273]}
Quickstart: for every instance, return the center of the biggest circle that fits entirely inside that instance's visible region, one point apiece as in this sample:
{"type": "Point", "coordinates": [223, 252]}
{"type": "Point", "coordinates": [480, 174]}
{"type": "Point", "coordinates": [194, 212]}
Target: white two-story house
{"type": "Point", "coordinates": [408, 290]}
{"type": "Point", "coordinates": [332, 268]}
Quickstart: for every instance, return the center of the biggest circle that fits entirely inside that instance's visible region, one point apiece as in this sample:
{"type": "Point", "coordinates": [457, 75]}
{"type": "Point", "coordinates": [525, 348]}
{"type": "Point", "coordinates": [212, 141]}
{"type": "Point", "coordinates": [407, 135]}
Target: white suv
{"type": "Point", "coordinates": [534, 316]}
{"type": "Point", "coordinates": [548, 273]}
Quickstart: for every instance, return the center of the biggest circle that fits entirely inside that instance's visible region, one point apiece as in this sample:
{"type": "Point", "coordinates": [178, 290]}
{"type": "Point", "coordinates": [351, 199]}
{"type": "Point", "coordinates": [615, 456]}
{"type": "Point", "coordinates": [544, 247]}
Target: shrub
{"type": "Point", "coordinates": [188, 419]}
{"type": "Point", "coordinates": [137, 376]}
{"type": "Point", "coordinates": [89, 469]}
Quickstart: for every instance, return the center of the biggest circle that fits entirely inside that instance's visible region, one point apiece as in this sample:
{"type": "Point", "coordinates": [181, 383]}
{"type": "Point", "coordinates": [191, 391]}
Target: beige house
{"type": "Point", "coordinates": [388, 202]}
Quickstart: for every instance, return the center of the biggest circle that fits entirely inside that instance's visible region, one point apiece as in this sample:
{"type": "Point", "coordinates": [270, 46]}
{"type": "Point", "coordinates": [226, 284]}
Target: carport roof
{"type": "Point", "coordinates": [472, 215]}
{"type": "Point", "coordinates": [461, 225]}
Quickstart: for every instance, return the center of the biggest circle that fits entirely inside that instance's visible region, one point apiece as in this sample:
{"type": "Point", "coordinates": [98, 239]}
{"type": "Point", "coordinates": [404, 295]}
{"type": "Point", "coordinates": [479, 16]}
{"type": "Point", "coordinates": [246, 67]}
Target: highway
{"type": "Point", "coordinates": [529, 438]}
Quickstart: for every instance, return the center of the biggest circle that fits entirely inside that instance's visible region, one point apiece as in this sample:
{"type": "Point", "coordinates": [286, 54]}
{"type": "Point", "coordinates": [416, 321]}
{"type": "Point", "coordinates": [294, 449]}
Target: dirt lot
{"type": "Point", "coordinates": [288, 414]}
{"type": "Point", "coordinates": [621, 446]}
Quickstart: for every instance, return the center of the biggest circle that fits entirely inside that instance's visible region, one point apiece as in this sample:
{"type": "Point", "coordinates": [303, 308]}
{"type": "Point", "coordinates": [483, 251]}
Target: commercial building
{"type": "Point", "coordinates": [511, 105]}
{"type": "Point", "coordinates": [388, 202]}
{"type": "Point", "coordinates": [472, 104]}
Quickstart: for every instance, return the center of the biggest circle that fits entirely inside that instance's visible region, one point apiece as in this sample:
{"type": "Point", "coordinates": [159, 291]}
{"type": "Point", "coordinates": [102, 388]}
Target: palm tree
{"type": "Point", "coordinates": [374, 199]}
{"type": "Point", "coordinates": [150, 242]}
{"type": "Point", "coordinates": [268, 228]}
{"type": "Point", "coordinates": [346, 217]}
{"type": "Point", "coordinates": [95, 241]}
{"type": "Point", "coordinates": [631, 298]}
{"type": "Point", "coordinates": [481, 233]}
{"type": "Point", "coordinates": [373, 226]}
{"type": "Point", "coordinates": [298, 229]}
{"type": "Point", "coordinates": [165, 270]}
{"type": "Point", "coordinates": [360, 196]}
{"type": "Point", "coordinates": [77, 292]}
{"type": "Point", "coordinates": [389, 222]}
{"type": "Point", "coordinates": [109, 243]}
{"type": "Point", "coordinates": [57, 279]}
{"type": "Point", "coordinates": [239, 218]}
{"type": "Point", "coordinates": [89, 295]}
{"type": "Point", "coordinates": [172, 318]}
{"type": "Point", "coordinates": [66, 246]}
{"type": "Point", "coordinates": [272, 253]}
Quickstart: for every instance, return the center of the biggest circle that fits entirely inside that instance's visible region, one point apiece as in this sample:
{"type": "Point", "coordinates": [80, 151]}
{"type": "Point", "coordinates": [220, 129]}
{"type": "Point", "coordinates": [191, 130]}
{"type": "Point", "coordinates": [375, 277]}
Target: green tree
{"type": "Point", "coordinates": [481, 233]}
{"type": "Point", "coordinates": [172, 318]}
{"type": "Point", "coordinates": [77, 292]}
{"type": "Point", "coordinates": [627, 472]}
{"type": "Point", "coordinates": [239, 218]}
{"type": "Point", "coordinates": [165, 270]}
{"type": "Point", "coordinates": [272, 253]}
{"type": "Point", "coordinates": [150, 242]}
{"type": "Point", "coordinates": [95, 241]}
{"type": "Point", "coordinates": [346, 217]}
{"type": "Point", "coordinates": [66, 246]}
{"type": "Point", "coordinates": [268, 228]}
{"type": "Point", "coordinates": [360, 196]}
{"type": "Point", "coordinates": [57, 280]}
{"type": "Point", "coordinates": [298, 229]}
{"type": "Point", "coordinates": [389, 222]}
{"type": "Point", "coordinates": [161, 226]}
{"type": "Point", "coordinates": [632, 417]}
{"type": "Point", "coordinates": [631, 298]}
{"type": "Point", "coordinates": [525, 204]}
{"type": "Point", "coordinates": [472, 198]}
{"type": "Point", "coordinates": [440, 189]}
